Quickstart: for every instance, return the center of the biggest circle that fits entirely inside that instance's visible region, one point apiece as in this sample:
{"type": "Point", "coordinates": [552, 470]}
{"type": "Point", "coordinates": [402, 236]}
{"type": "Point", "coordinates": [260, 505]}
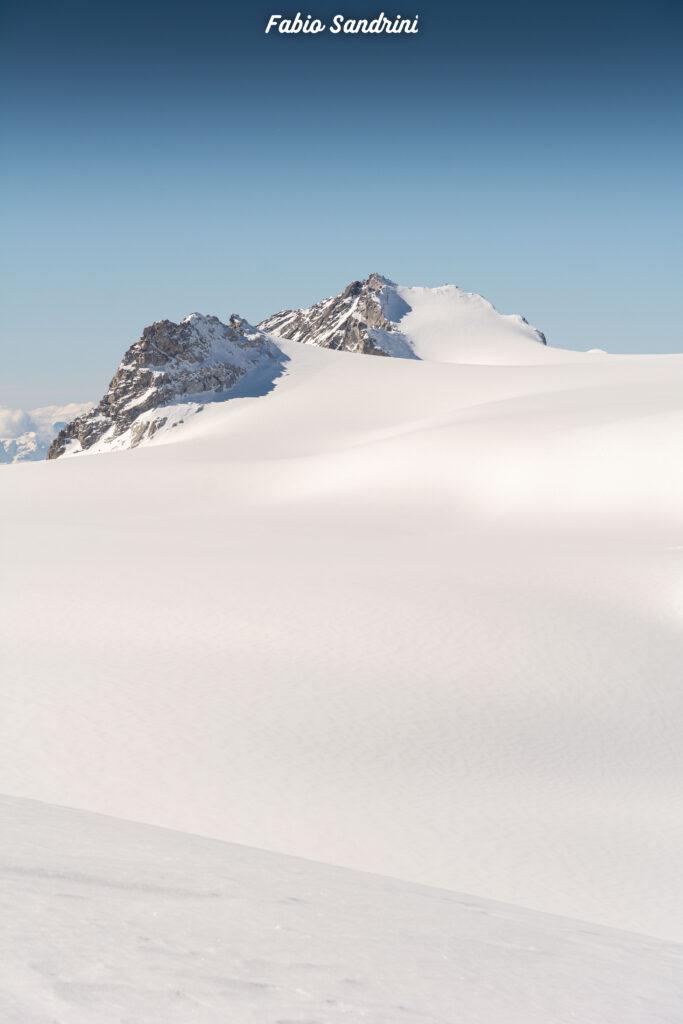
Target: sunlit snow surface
{"type": "Point", "coordinates": [421, 617]}
{"type": "Point", "coordinates": [107, 922]}
{"type": "Point", "coordinates": [411, 617]}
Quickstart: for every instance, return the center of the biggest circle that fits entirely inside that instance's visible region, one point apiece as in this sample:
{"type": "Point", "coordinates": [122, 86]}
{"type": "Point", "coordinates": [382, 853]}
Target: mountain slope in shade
{"type": "Point", "coordinates": [168, 374]}
{"type": "Point", "coordinates": [26, 436]}
{"type": "Point", "coordinates": [379, 317]}
{"type": "Point", "coordinates": [108, 921]}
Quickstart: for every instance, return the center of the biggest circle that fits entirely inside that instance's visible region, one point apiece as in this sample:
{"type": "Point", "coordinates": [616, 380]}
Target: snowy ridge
{"type": "Point", "coordinates": [379, 317]}
{"type": "Point", "coordinates": [170, 373]}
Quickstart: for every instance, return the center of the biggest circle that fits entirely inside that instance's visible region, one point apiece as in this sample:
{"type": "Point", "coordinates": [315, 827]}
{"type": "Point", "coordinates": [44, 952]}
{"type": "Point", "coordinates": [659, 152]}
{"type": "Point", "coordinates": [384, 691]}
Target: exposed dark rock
{"type": "Point", "coordinates": [353, 321]}
{"type": "Point", "coordinates": [170, 362]}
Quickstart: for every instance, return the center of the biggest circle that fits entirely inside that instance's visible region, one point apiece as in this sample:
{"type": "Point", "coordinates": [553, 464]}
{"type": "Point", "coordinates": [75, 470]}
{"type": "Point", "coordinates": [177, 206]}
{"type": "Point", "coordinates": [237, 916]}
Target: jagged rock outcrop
{"type": "Point", "coordinates": [195, 360]}
{"type": "Point", "coordinates": [373, 317]}
{"type": "Point", "coordinates": [354, 321]}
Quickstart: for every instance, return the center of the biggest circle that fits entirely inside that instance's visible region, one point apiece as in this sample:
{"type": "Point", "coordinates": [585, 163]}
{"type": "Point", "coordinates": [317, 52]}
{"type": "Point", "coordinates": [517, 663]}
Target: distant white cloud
{"type": "Point", "coordinates": [26, 435]}
{"type": "Point", "coordinates": [15, 422]}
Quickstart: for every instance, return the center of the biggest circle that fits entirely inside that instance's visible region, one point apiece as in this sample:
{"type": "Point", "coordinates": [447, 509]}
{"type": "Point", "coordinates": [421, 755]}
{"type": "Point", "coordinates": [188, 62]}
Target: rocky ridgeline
{"type": "Point", "coordinates": [354, 321]}
{"type": "Point", "coordinates": [175, 368]}
{"type": "Point", "coordinates": [368, 317]}
{"type": "Point", "coordinates": [196, 359]}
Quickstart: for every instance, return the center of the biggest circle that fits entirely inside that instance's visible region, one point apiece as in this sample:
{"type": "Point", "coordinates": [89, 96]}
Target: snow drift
{"type": "Point", "coordinates": [413, 617]}
{"type": "Point", "coordinates": [105, 921]}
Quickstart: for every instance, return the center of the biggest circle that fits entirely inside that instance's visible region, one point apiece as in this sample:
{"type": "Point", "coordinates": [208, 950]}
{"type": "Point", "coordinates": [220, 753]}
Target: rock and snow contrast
{"type": "Point", "coordinates": [174, 369]}
{"type": "Point", "coordinates": [378, 317]}
{"type": "Point", "coordinates": [26, 436]}
{"type": "Point", "coordinates": [420, 617]}
{"type": "Point", "coordinates": [106, 922]}
{"type": "Point", "coordinates": [169, 374]}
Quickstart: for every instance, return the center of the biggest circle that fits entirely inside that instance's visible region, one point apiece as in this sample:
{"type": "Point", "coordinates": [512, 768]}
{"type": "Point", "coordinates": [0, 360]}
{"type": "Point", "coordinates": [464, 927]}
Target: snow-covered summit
{"type": "Point", "coordinates": [379, 317]}
{"type": "Point", "coordinates": [180, 365]}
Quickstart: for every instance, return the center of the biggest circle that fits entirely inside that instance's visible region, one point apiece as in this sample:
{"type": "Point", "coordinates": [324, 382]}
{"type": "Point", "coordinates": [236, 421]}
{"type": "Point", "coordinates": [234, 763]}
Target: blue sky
{"type": "Point", "coordinates": [164, 158]}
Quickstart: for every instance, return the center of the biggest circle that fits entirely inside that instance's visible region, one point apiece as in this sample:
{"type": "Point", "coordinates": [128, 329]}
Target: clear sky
{"type": "Point", "coordinates": [160, 158]}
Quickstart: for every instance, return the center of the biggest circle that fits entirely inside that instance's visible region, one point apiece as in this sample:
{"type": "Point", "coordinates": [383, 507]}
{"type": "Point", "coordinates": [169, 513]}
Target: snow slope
{"type": "Point", "coordinates": [448, 325]}
{"type": "Point", "coordinates": [26, 436]}
{"type": "Point", "coordinates": [109, 922]}
{"type": "Point", "coordinates": [410, 617]}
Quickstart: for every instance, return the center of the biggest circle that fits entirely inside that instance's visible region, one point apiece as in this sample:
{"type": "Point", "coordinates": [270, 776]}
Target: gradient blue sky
{"type": "Point", "coordinates": [160, 158]}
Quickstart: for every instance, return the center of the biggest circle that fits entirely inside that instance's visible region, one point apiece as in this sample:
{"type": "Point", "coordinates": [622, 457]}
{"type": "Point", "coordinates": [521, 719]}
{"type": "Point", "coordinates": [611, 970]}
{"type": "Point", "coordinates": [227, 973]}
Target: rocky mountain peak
{"type": "Point", "coordinates": [376, 282]}
{"type": "Point", "coordinates": [373, 283]}
{"type": "Point", "coordinates": [354, 321]}
{"type": "Point", "coordinates": [193, 361]}
{"type": "Point", "coordinates": [378, 317]}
